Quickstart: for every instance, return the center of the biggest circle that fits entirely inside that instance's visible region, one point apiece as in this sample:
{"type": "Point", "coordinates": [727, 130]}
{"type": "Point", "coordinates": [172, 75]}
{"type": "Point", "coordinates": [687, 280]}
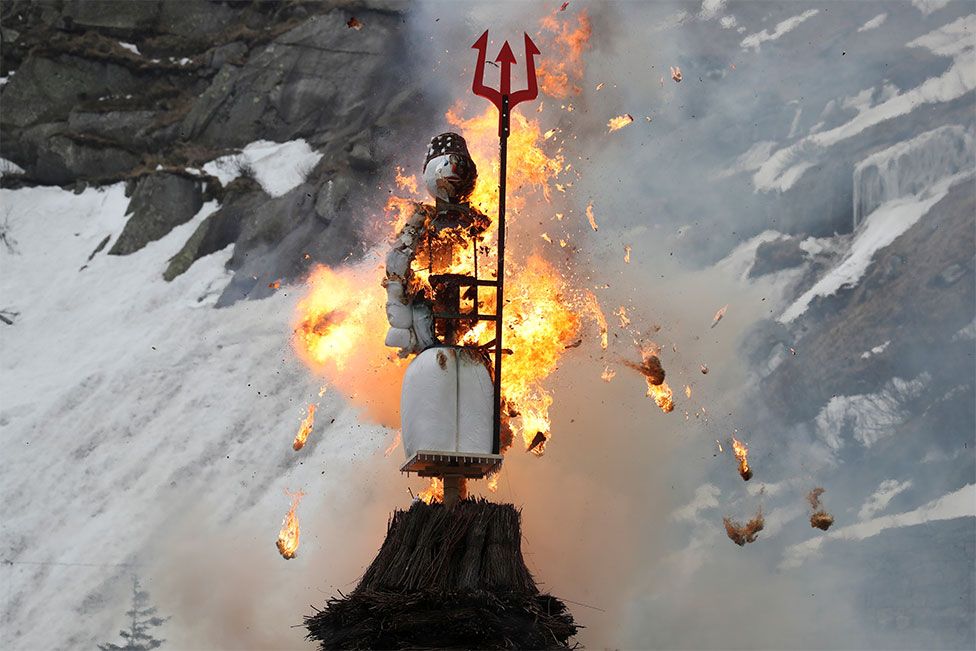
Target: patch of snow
{"type": "Point", "coordinates": [738, 263]}
{"type": "Point", "coordinates": [9, 167]}
{"type": "Point", "coordinates": [130, 47]}
{"type": "Point", "coordinates": [184, 61]}
{"type": "Point", "coordinates": [881, 228]}
{"type": "Point", "coordinates": [750, 160]}
{"type": "Point", "coordinates": [957, 504]}
{"type": "Point", "coordinates": [818, 245]}
{"type": "Point", "coordinates": [728, 22]}
{"type": "Point", "coordinates": [754, 41]}
{"type": "Point", "coordinates": [882, 496]}
{"type": "Point", "coordinates": [710, 9]}
{"type": "Point", "coordinates": [868, 417]}
{"type": "Point", "coordinates": [277, 167]}
{"type": "Point", "coordinates": [874, 23]}
{"type": "Point", "coordinates": [929, 6]}
{"type": "Point", "coordinates": [966, 333]}
{"type": "Point", "coordinates": [5, 79]}
{"type": "Point", "coordinates": [877, 350]}
{"type": "Point", "coordinates": [954, 40]}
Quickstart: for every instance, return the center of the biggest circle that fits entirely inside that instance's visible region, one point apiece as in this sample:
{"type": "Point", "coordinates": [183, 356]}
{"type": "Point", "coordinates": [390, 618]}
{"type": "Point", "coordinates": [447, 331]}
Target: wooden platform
{"type": "Point", "coordinates": [431, 463]}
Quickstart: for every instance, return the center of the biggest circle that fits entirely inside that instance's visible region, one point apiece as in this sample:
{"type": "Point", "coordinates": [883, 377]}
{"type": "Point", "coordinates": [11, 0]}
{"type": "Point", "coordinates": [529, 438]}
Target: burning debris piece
{"type": "Point", "coordinates": [627, 253]}
{"type": "Point", "coordinates": [593, 307]}
{"type": "Point", "coordinates": [741, 534]}
{"type": "Point", "coordinates": [288, 536]}
{"type": "Point", "coordinates": [653, 372]}
{"type": "Point", "coordinates": [397, 440]}
{"type": "Point", "coordinates": [742, 455]}
{"type": "Point", "coordinates": [619, 122]}
{"type": "Point", "coordinates": [590, 217]}
{"type": "Point", "coordinates": [305, 429]}
{"type": "Point", "coordinates": [718, 315]}
{"type": "Point", "coordinates": [475, 592]}
{"type": "Point", "coordinates": [354, 23]}
{"type": "Point", "coordinates": [676, 73]}
{"type": "Point", "coordinates": [607, 374]}
{"type": "Point", "coordinates": [819, 519]}
{"type": "Point", "coordinates": [704, 369]}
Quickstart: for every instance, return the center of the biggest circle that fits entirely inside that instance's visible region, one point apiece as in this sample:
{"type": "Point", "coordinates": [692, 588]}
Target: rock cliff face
{"type": "Point", "coordinates": [148, 92]}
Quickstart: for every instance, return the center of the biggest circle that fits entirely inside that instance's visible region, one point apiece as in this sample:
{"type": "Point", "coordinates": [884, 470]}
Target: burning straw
{"type": "Point", "coordinates": [820, 519]}
{"type": "Point", "coordinates": [741, 534]}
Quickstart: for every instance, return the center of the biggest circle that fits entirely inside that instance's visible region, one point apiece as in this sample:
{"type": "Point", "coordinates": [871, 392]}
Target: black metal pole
{"type": "Point", "coordinates": [500, 273]}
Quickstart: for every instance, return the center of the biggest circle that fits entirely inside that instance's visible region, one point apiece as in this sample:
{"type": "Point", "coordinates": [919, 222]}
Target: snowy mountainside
{"type": "Point", "coordinates": [125, 396]}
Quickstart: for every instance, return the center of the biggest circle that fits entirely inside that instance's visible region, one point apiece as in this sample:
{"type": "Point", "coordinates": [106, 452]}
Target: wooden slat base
{"type": "Point", "coordinates": [430, 463]}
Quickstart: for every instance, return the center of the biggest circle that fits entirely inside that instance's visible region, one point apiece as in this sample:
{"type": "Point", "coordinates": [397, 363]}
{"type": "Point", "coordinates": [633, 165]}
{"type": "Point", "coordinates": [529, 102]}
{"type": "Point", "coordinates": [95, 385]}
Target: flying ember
{"type": "Point", "coordinates": [288, 536]}
{"type": "Point", "coordinates": [305, 429]}
{"type": "Point", "coordinates": [653, 372]}
{"type": "Point", "coordinates": [742, 455]}
{"type": "Point", "coordinates": [619, 122]}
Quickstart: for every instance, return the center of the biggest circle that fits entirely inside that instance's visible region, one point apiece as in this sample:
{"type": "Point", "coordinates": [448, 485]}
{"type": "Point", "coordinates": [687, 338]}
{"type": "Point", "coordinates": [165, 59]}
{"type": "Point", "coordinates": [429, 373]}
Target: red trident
{"type": "Point", "coordinates": [505, 100]}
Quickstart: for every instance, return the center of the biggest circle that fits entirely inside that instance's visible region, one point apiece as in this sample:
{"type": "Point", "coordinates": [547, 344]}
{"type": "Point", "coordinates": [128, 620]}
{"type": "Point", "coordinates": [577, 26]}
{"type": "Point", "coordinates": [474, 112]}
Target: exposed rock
{"type": "Point", "coordinates": [902, 291]}
{"type": "Point", "coordinates": [112, 16]}
{"type": "Point", "coordinates": [45, 90]}
{"type": "Point", "coordinates": [158, 204]}
{"type": "Point", "coordinates": [219, 229]}
{"type": "Point", "coordinates": [282, 93]}
{"type": "Point", "coordinates": [777, 255]}
{"type": "Point", "coordinates": [67, 158]}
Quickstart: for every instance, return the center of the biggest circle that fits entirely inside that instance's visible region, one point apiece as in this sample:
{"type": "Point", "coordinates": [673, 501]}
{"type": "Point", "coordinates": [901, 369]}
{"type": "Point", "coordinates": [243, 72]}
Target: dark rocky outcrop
{"type": "Point", "coordinates": [207, 78]}
{"type": "Point", "coordinates": [159, 202]}
{"type": "Point", "coordinates": [777, 255]}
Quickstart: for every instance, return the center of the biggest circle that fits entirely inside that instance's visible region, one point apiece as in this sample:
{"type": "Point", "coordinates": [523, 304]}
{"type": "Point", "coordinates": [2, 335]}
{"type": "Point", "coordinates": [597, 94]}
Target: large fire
{"type": "Point", "coordinates": [340, 323]}
{"type": "Point", "coordinates": [288, 536]}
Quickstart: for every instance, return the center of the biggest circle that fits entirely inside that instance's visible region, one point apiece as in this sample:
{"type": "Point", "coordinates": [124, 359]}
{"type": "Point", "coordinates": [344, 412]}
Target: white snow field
{"type": "Point", "coordinates": [144, 432]}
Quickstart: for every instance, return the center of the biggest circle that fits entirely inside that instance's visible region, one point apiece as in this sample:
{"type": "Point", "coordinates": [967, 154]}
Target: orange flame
{"type": "Point", "coordinates": [434, 492]}
{"type": "Point", "coordinates": [592, 306]}
{"type": "Point", "coordinates": [562, 66]}
{"type": "Point", "coordinates": [619, 122]}
{"type": "Point", "coordinates": [653, 372]}
{"type": "Point", "coordinates": [742, 454]}
{"type": "Point", "coordinates": [288, 536]}
{"type": "Point", "coordinates": [394, 445]}
{"type": "Point", "coordinates": [305, 429]}
{"type": "Point", "coordinates": [591, 217]}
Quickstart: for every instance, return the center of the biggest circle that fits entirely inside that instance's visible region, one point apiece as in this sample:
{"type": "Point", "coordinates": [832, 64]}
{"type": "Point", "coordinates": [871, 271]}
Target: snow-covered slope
{"type": "Point", "coordinates": [129, 403]}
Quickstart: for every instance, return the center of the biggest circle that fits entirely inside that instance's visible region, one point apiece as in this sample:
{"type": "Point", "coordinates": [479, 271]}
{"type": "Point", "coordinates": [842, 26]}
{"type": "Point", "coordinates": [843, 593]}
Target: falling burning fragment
{"type": "Point", "coordinates": [607, 374]}
{"type": "Point", "coordinates": [619, 122]}
{"type": "Point", "coordinates": [653, 372]}
{"type": "Point", "coordinates": [305, 429]}
{"type": "Point", "coordinates": [288, 536]}
{"type": "Point", "coordinates": [819, 519]}
{"type": "Point", "coordinates": [704, 369]}
{"type": "Point", "coordinates": [741, 534]}
{"type": "Point", "coordinates": [718, 315]}
{"type": "Point", "coordinates": [627, 253]}
{"type": "Point", "coordinates": [742, 455]}
{"type": "Point", "coordinates": [591, 217]}
{"type": "Point", "coordinates": [354, 23]}
{"type": "Point", "coordinates": [676, 73]}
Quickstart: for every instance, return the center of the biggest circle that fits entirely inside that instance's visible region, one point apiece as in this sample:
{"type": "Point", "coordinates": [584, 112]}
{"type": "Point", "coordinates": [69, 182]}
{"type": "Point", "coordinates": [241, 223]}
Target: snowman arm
{"type": "Point", "coordinates": [410, 323]}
